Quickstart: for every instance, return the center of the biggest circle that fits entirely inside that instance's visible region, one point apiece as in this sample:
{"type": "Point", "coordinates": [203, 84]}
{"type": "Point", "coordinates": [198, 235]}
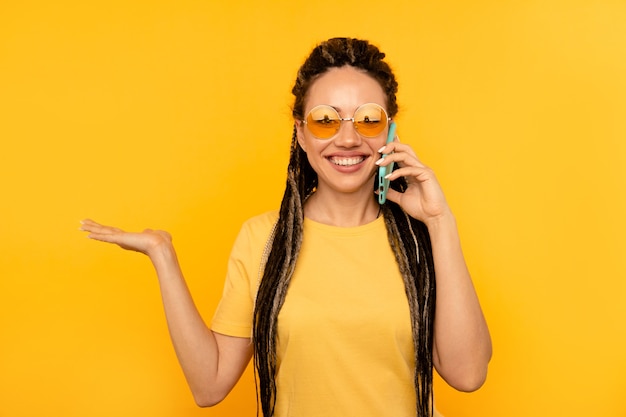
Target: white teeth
{"type": "Point", "coordinates": [346, 161]}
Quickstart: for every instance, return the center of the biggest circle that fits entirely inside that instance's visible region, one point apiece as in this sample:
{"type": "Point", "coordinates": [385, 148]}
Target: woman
{"type": "Point", "coordinates": [335, 294]}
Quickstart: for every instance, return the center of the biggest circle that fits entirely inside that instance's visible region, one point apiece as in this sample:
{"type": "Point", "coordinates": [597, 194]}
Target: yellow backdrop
{"type": "Point", "coordinates": [176, 115]}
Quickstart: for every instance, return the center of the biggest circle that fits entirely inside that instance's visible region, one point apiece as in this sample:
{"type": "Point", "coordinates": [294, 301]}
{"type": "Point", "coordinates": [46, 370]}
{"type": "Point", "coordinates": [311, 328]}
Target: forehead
{"type": "Point", "coordinates": [345, 89]}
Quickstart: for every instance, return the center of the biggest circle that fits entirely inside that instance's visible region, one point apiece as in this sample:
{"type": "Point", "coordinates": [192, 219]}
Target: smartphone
{"type": "Point", "coordinates": [383, 183]}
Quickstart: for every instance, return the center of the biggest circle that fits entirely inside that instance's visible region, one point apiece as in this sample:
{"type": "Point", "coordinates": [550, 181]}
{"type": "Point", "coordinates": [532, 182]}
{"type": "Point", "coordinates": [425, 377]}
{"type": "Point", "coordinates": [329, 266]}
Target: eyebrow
{"type": "Point", "coordinates": [337, 109]}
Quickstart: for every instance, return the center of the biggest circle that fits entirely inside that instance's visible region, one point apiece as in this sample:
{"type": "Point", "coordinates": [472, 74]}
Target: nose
{"type": "Point", "coordinates": [347, 136]}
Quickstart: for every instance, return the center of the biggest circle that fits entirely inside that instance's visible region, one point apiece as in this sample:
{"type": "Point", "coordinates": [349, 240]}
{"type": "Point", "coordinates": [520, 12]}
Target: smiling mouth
{"type": "Point", "coordinates": [346, 162]}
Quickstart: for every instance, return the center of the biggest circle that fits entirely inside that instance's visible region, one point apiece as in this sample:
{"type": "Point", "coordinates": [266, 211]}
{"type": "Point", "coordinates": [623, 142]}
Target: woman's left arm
{"type": "Point", "coordinates": [462, 344]}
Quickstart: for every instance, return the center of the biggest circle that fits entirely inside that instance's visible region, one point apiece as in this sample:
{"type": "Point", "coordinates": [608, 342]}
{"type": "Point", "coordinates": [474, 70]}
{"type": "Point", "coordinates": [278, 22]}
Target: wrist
{"type": "Point", "coordinates": [162, 253]}
{"type": "Point", "coordinates": [441, 221]}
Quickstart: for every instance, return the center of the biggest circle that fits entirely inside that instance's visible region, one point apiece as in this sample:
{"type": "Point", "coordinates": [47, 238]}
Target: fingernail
{"type": "Point", "coordinates": [379, 161]}
{"type": "Point", "coordinates": [387, 176]}
{"type": "Point", "coordinates": [381, 149]}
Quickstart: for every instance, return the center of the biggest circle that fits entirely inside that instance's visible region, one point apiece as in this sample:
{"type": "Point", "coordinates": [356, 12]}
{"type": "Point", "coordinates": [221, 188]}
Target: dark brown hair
{"type": "Point", "coordinates": [407, 236]}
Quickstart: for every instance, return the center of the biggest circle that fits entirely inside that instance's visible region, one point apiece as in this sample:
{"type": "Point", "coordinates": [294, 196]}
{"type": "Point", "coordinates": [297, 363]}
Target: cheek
{"type": "Point", "coordinates": [313, 147]}
{"type": "Point", "coordinates": [379, 142]}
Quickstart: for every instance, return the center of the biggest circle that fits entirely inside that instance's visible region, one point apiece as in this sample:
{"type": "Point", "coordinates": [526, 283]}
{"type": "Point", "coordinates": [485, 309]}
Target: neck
{"type": "Point", "coordinates": [341, 210]}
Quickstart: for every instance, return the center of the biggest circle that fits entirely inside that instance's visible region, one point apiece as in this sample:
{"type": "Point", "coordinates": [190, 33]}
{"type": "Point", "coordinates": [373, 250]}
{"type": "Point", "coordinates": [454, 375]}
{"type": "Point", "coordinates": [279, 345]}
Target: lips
{"type": "Point", "coordinates": [346, 162]}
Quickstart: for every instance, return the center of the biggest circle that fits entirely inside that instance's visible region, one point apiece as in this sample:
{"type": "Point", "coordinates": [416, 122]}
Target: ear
{"type": "Point", "coordinates": [300, 134]}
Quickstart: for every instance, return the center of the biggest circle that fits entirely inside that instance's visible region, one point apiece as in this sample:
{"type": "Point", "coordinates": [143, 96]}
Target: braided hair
{"type": "Point", "coordinates": [408, 237]}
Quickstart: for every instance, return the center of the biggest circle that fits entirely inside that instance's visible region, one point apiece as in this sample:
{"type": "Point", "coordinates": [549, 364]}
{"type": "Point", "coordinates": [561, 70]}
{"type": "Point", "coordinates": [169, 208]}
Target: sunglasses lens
{"type": "Point", "coordinates": [323, 122]}
{"type": "Point", "coordinates": [370, 120]}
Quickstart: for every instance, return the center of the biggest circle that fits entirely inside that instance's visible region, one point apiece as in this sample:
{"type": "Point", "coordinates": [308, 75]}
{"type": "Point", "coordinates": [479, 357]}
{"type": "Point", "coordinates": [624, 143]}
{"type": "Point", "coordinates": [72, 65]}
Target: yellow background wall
{"type": "Point", "coordinates": [176, 115]}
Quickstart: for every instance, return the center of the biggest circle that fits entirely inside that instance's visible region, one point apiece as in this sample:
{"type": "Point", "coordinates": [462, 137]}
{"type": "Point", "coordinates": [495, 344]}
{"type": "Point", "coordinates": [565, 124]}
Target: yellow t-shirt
{"type": "Point", "coordinates": [344, 332]}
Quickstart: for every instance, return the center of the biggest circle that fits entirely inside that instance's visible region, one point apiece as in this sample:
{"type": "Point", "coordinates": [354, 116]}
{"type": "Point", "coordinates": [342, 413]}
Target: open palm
{"type": "Point", "coordinates": [145, 242]}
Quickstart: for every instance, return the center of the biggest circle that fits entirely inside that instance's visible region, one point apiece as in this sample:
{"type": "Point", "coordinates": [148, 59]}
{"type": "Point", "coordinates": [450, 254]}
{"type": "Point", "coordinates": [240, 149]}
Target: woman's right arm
{"type": "Point", "coordinates": [212, 362]}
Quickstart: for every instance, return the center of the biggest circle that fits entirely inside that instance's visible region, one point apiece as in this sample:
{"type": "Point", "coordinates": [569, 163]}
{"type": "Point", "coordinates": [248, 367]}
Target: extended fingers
{"type": "Point", "coordinates": [400, 153]}
{"type": "Point", "coordinates": [88, 225]}
{"type": "Point", "coordinates": [397, 147]}
{"type": "Point", "coordinates": [421, 173]}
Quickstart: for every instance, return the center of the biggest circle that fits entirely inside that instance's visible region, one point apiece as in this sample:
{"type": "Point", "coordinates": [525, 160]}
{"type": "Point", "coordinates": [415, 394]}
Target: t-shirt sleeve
{"type": "Point", "coordinates": [234, 314]}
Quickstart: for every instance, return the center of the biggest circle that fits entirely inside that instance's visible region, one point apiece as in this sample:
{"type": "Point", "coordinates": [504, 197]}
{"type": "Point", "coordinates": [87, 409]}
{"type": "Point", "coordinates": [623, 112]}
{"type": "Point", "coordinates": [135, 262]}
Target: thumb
{"type": "Point", "coordinates": [394, 196]}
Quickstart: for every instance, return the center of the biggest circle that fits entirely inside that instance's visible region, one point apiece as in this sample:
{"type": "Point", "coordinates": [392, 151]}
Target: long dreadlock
{"type": "Point", "coordinates": [408, 237]}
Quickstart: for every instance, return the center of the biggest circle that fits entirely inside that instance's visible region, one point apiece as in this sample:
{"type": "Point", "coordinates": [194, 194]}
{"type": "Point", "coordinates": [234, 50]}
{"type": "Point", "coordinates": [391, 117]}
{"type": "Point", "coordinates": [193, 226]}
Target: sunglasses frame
{"type": "Point", "coordinates": [345, 119]}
